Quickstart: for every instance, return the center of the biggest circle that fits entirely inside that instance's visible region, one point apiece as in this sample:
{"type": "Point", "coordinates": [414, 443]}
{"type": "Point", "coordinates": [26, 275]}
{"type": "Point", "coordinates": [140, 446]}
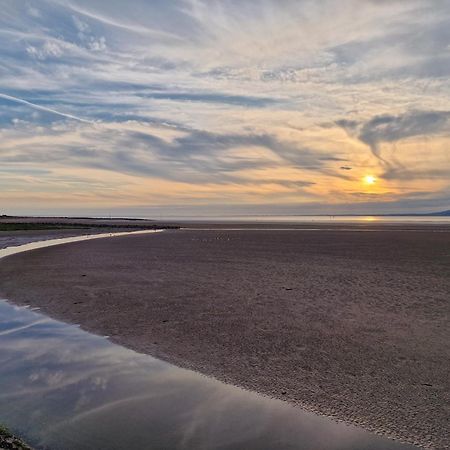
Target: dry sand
{"type": "Point", "coordinates": [350, 324]}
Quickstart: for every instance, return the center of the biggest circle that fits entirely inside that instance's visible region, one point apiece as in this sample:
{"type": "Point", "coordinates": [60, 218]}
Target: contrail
{"type": "Point", "coordinates": [43, 108]}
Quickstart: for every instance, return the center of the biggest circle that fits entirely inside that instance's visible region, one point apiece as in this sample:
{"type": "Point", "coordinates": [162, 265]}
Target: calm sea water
{"type": "Point", "coordinates": [305, 219]}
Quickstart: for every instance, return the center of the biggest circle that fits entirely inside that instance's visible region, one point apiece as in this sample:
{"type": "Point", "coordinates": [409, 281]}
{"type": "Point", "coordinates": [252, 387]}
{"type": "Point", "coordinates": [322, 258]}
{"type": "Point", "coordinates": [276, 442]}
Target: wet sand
{"type": "Point", "coordinates": [21, 237]}
{"type": "Point", "coordinates": [63, 227]}
{"type": "Point", "coordinates": [350, 324]}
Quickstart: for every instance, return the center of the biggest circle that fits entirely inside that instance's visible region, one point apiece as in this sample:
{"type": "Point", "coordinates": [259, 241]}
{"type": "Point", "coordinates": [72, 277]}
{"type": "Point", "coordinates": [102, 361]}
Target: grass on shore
{"type": "Point", "coordinates": [39, 226]}
{"type": "Point", "coordinates": [9, 441]}
{"type": "Point", "coordinates": [29, 226]}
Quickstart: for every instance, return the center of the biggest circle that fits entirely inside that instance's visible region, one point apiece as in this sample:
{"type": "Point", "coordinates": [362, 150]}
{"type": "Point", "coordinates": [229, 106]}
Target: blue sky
{"type": "Point", "coordinates": [224, 106]}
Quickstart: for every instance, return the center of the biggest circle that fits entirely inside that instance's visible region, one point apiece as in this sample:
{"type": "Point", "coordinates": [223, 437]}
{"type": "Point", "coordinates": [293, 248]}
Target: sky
{"type": "Point", "coordinates": [224, 107]}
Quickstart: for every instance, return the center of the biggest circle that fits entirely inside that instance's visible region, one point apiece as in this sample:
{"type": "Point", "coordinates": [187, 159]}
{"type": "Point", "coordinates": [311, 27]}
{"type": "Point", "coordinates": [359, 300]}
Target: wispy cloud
{"type": "Point", "coordinates": [233, 101]}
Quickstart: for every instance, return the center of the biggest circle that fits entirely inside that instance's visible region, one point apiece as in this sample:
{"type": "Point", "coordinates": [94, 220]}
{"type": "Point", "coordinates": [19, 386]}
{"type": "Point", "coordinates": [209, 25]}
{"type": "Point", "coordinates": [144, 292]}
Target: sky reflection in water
{"type": "Point", "coordinates": [63, 388]}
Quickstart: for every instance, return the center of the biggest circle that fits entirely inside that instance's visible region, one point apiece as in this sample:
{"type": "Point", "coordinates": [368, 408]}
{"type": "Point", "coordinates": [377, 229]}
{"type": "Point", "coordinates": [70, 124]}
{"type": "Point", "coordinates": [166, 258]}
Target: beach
{"type": "Point", "coordinates": [16, 231]}
{"type": "Point", "coordinates": [347, 321]}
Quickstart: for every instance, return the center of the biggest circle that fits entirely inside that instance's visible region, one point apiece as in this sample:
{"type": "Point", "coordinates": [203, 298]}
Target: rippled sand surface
{"type": "Point", "coordinates": [347, 323]}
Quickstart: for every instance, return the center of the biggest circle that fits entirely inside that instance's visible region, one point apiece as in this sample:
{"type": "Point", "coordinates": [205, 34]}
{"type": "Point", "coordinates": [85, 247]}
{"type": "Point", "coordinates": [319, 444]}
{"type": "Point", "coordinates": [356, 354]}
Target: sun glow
{"type": "Point", "coordinates": [369, 179]}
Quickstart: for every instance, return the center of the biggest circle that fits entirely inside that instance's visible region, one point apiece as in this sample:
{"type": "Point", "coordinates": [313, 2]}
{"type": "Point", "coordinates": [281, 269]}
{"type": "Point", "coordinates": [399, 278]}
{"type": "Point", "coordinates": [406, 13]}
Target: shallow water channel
{"type": "Point", "coordinates": [64, 388]}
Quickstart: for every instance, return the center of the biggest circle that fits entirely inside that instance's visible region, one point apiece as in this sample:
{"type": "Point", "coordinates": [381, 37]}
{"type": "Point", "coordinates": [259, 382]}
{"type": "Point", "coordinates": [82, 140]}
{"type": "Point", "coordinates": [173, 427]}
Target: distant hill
{"type": "Point", "coordinates": [439, 213]}
{"type": "Point", "coordinates": [445, 213]}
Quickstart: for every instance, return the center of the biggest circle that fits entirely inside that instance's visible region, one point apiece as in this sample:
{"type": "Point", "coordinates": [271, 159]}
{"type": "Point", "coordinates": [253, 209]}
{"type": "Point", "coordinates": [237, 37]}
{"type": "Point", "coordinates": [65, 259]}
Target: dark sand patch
{"type": "Point", "coordinates": [350, 324]}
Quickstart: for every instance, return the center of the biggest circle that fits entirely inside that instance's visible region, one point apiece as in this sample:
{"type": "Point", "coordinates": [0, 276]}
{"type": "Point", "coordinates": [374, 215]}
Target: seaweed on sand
{"type": "Point", "coordinates": [10, 442]}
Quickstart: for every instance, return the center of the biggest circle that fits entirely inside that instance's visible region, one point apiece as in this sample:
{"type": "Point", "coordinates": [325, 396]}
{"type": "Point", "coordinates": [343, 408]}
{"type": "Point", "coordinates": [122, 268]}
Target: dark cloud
{"type": "Point", "coordinates": [389, 128]}
{"type": "Point", "coordinates": [237, 100]}
{"type": "Point", "coordinates": [402, 173]}
{"type": "Point", "coordinates": [194, 157]}
{"type": "Point", "coordinates": [349, 125]}
{"type": "Point", "coordinates": [202, 155]}
{"type": "Point", "coordinates": [332, 158]}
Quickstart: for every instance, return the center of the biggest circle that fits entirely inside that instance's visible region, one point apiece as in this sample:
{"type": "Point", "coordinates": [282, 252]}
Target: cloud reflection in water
{"type": "Point", "coordinates": [63, 388]}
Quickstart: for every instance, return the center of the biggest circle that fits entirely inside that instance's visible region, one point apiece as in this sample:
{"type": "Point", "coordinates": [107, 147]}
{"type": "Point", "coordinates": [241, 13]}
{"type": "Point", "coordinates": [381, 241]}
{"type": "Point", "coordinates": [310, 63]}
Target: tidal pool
{"type": "Point", "coordinates": [64, 388]}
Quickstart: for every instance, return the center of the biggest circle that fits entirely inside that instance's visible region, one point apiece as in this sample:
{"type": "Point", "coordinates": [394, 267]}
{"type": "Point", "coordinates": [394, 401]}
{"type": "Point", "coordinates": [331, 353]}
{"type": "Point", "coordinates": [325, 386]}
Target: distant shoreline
{"type": "Point", "coordinates": [120, 220]}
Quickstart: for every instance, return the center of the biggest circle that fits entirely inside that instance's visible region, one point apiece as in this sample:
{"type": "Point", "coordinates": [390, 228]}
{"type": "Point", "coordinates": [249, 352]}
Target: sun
{"type": "Point", "coordinates": [369, 179]}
